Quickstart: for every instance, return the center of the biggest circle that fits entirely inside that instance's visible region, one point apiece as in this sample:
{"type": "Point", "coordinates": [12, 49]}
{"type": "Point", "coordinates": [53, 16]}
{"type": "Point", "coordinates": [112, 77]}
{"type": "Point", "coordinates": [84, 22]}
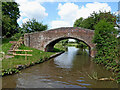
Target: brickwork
{"type": "Point", "coordinates": [45, 40]}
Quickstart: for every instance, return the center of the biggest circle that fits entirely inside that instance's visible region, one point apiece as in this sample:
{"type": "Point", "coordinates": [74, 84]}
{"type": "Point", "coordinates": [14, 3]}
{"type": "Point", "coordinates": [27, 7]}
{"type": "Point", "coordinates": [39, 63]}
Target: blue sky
{"type": "Point", "coordinates": [60, 14]}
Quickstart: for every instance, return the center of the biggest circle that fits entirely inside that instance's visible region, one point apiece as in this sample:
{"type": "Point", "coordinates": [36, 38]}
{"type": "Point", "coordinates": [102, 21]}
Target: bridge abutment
{"type": "Point", "coordinates": [92, 52]}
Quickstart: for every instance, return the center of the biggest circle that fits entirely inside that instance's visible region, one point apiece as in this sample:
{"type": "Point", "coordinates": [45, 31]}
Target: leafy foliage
{"type": "Point", "coordinates": [107, 46]}
{"type": "Point", "coordinates": [78, 22]}
{"type": "Point", "coordinates": [64, 42]}
{"type": "Point", "coordinates": [119, 47]}
{"type": "Point", "coordinates": [0, 14]}
{"type": "Point", "coordinates": [32, 26]}
{"type": "Point", "coordinates": [93, 19]}
{"type": "Point", "coordinates": [10, 14]}
{"type": "Point", "coordinates": [106, 42]}
{"type": "Point", "coordinates": [17, 36]}
{"type": "Point", "coordinates": [82, 45]}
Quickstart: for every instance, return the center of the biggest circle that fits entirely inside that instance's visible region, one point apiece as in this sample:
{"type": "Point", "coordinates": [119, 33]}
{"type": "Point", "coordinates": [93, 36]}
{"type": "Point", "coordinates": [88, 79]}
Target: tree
{"type": "Point", "coordinates": [94, 18]}
{"type": "Point", "coordinates": [78, 22]}
{"type": "Point", "coordinates": [65, 42]}
{"type": "Point", "coordinates": [88, 23]}
{"type": "Point", "coordinates": [0, 14]}
{"type": "Point", "coordinates": [119, 46]}
{"type": "Point", "coordinates": [10, 14]}
{"type": "Point", "coordinates": [32, 26]}
{"type": "Point", "coordinates": [106, 42]}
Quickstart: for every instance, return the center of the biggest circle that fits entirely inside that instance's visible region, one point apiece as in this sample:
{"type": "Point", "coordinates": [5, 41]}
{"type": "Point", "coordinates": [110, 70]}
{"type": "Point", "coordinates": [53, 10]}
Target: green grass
{"type": "Point", "coordinates": [6, 40]}
{"type": "Point", "coordinates": [6, 45]}
{"type": "Point", "coordinates": [57, 50]}
{"type": "Point", "coordinates": [20, 60]}
{"type": "Point", "coordinates": [72, 44]}
{"type": "Point", "coordinates": [37, 56]}
{"type": "Point", "coordinates": [59, 47]}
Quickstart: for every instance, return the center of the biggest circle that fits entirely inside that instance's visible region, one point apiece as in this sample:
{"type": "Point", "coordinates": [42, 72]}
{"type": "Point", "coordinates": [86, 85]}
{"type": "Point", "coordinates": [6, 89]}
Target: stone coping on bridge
{"type": "Point", "coordinates": [63, 28]}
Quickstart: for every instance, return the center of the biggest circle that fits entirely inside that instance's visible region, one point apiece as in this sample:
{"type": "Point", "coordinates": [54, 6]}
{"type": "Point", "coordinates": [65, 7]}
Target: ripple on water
{"type": "Point", "coordinates": [65, 71]}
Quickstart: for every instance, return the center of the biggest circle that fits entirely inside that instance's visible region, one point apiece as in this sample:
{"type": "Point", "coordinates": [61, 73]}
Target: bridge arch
{"type": "Point", "coordinates": [45, 40]}
{"type": "Point", "coordinates": [49, 46]}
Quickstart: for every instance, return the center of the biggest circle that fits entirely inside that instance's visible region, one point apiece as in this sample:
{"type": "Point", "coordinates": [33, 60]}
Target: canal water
{"type": "Point", "coordinates": [69, 70]}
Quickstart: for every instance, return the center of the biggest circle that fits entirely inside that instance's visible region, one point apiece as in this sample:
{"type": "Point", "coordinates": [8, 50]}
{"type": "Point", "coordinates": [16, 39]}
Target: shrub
{"type": "Point", "coordinates": [106, 42]}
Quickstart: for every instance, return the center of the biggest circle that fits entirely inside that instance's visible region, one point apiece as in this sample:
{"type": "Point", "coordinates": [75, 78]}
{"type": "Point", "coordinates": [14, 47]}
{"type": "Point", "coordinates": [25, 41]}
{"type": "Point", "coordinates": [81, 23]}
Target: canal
{"type": "Point", "coordinates": [69, 70]}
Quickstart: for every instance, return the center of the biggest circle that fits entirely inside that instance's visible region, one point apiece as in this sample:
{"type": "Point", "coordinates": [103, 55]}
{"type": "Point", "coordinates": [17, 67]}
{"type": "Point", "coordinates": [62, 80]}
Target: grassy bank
{"type": "Point", "coordinates": [72, 44]}
{"type": "Point", "coordinates": [20, 60]}
{"type": "Point", "coordinates": [6, 45]}
{"type": "Point", "coordinates": [15, 64]}
{"type": "Point", "coordinates": [59, 47]}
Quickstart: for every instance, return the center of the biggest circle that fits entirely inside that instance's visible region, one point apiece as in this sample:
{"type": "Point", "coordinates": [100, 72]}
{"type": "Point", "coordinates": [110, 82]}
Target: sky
{"type": "Point", "coordinates": [56, 13]}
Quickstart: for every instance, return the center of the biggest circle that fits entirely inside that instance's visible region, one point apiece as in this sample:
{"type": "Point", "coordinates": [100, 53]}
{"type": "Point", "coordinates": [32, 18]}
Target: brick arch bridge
{"type": "Point", "coordinates": [45, 40]}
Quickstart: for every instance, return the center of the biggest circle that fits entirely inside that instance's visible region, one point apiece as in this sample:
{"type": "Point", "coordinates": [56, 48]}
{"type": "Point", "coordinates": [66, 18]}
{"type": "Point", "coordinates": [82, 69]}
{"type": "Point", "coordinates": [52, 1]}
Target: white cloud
{"type": "Point", "coordinates": [90, 7]}
{"type": "Point", "coordinates": [31, 9]}
{"type": "Point", "coordinates": [57, 24]}
{"type": "Point", "coordinates": [69, 12]}
{"type": "Point", "coordinates": [25, 20]}
{"type": "Point", "coordinates": [77, 0]}
{"type": "Point", "coordinates": [20, 19]}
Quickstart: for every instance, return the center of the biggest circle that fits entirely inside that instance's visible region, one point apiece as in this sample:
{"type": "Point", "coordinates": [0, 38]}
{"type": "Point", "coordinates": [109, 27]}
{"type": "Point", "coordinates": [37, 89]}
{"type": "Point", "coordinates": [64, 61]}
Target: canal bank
{"type": "Point", "coordinates": [15, 64]}
{"type": "Point", "coordinates": [68, 70]}
{"type": "Point", "coordinates": [18, 68]}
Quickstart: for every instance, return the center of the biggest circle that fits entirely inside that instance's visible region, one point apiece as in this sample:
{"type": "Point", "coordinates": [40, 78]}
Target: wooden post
{"type": "Point", "coordinates": [26, 55]}
{"type": "Point", "coordinates": [14, 53]}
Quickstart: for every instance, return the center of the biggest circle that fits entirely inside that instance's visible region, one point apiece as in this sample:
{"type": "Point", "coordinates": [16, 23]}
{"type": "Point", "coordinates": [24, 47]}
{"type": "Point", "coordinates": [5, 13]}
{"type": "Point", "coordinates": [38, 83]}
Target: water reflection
{"type": "Point", "coordinates": [68, 70]}
{"type": "Point", "coordinates": [66, 60]}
